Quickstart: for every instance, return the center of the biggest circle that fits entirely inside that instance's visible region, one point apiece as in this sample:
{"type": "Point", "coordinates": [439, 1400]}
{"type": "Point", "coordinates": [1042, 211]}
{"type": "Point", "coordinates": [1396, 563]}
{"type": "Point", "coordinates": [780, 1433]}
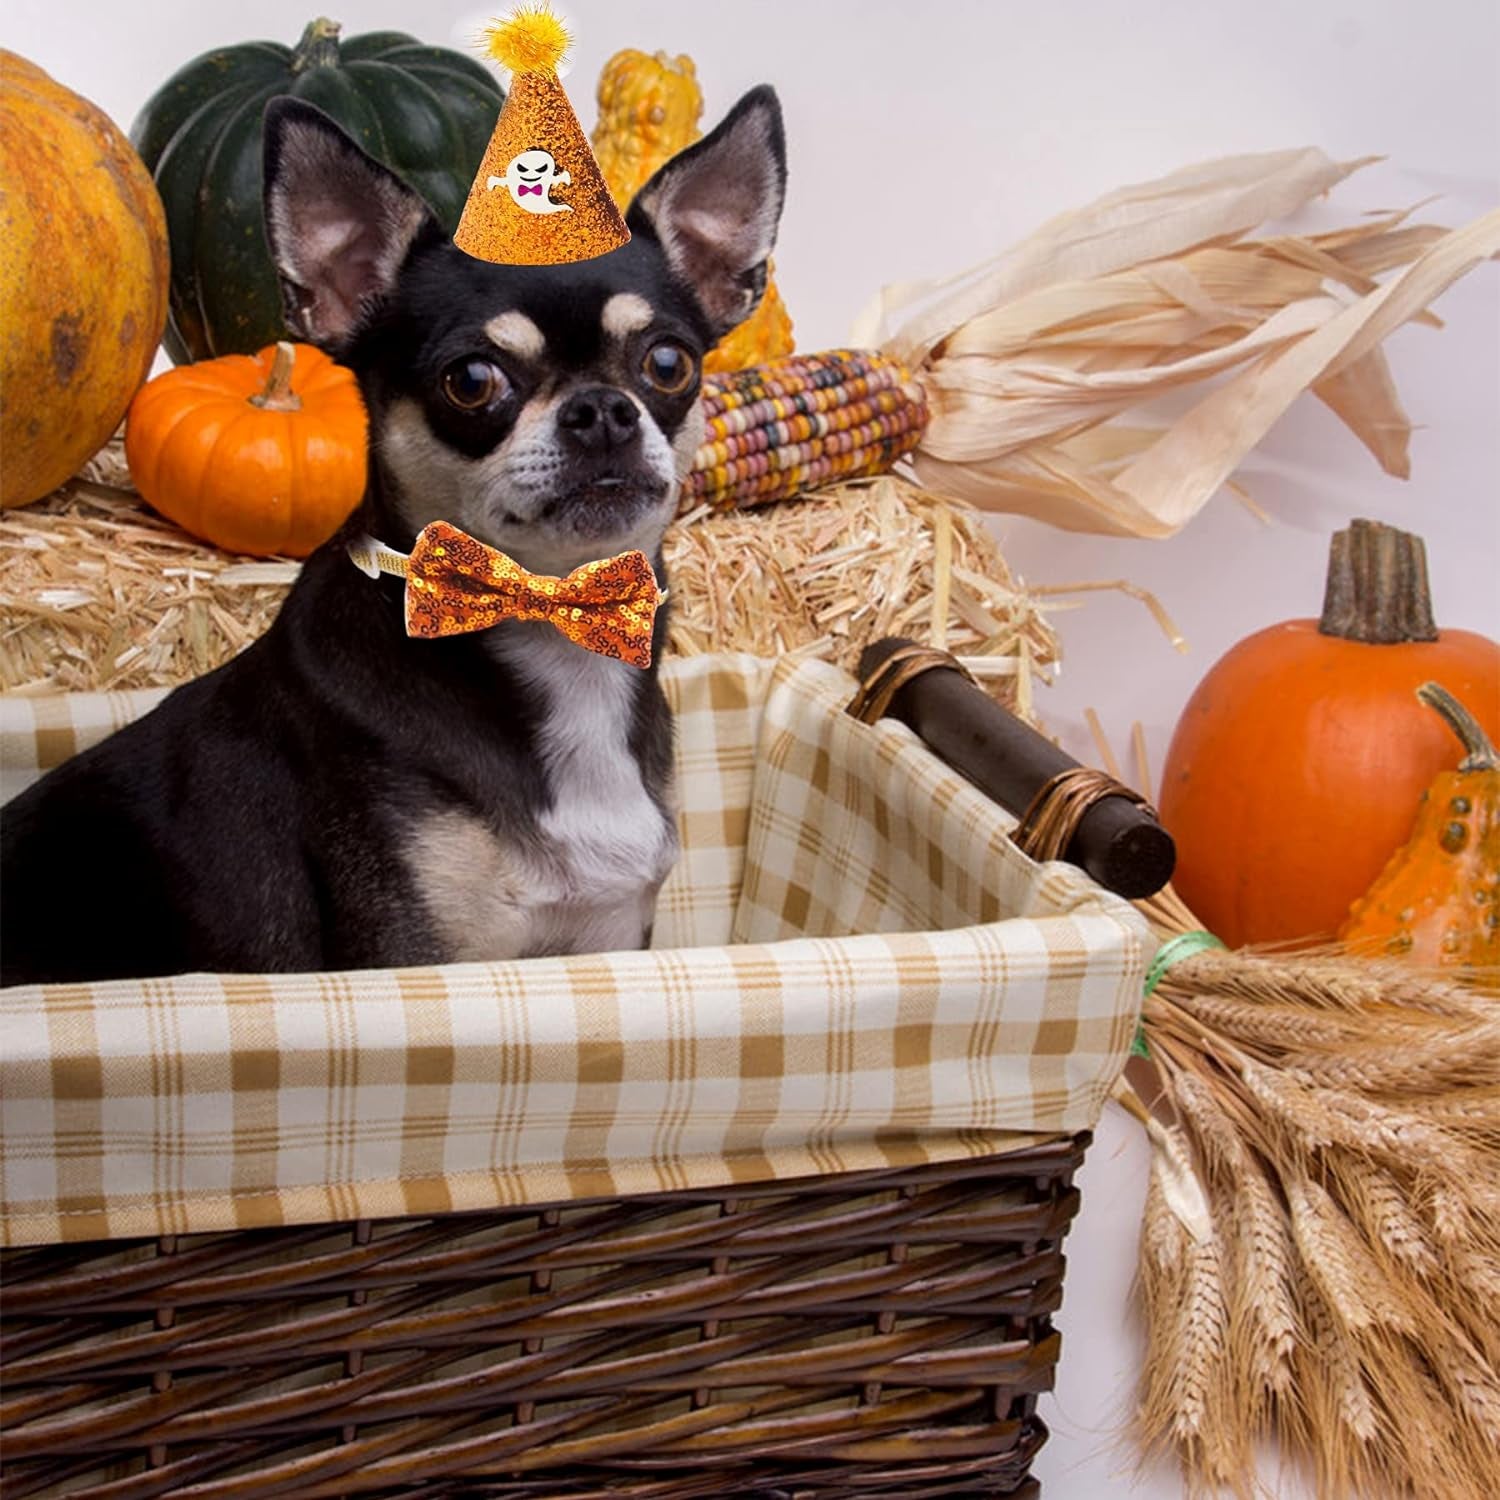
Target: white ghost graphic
{"type": "Point", "coordinates": [531, 177]}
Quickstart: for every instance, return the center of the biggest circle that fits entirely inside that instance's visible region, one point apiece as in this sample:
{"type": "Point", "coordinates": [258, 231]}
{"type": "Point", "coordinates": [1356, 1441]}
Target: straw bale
{"type": "Point", "coordinates": [825, 574]}
{"type": "Point", "coordinates": [97, 592]}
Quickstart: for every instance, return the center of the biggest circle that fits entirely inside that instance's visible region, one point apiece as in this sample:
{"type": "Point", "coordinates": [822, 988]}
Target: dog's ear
{"type": "Point", "coordinates": [714, 209]}
{"type": "Point", "coordinates": [339, 224]}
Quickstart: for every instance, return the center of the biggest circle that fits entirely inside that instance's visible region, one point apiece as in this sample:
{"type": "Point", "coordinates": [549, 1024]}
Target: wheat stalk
{"type": "Point", "coordinates": [1342, 1383]}
{"type": "Point", "coordinates": [1346, 1274]}
{"type": "Point", "coordinates": [1391, 1227]}
{"type": "Point", "coordinates": [1264, 1311]}
{"type": "Point", "coordinates": [1421, 1067]}
{"type": "Point", "coordinates": [1474, 1110]}
{"type": "Point", "coordinates": [1198, 1376]}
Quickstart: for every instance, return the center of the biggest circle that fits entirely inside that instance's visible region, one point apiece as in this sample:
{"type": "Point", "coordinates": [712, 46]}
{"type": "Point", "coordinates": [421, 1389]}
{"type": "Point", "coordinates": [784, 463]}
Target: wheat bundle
{"type": "Point", "coordinates": [1320, 1248]}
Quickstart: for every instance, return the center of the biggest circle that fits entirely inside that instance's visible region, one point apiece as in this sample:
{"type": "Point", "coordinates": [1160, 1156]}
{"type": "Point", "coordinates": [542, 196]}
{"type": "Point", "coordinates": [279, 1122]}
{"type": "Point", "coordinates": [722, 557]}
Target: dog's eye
{"type": "Point", "coordinates": [473, 383]}
{"type": "Point", "coordinates": [669, 367]}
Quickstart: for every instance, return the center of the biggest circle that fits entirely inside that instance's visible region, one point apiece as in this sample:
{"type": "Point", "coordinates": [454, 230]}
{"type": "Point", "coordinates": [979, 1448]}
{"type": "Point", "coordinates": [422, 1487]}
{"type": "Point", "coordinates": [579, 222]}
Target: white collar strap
{"type": "Point", "coordinates": [373, 558]}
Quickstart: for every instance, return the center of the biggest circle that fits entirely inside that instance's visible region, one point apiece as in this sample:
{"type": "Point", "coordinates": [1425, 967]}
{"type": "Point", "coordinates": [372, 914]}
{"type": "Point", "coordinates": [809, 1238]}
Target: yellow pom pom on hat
{"type": "Point", "coordinates": [539, 198]}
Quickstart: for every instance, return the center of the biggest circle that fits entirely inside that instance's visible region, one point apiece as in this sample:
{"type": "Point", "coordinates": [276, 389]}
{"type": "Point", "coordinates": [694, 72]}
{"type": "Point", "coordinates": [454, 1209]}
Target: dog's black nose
{"type": "Point", "coordinates": [599, 418]}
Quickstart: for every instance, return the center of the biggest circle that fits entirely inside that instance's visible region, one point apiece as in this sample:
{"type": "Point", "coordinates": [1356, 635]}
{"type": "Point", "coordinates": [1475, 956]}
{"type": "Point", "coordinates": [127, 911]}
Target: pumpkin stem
{"type": "Point", "coordinates": [1377, 587]}
{"type": "Point", "coordinates": [277, 393]}
{"type": "Point", "coordinates": [319, 47]}
{"type": "Point", "coordinates": [1480, 752]}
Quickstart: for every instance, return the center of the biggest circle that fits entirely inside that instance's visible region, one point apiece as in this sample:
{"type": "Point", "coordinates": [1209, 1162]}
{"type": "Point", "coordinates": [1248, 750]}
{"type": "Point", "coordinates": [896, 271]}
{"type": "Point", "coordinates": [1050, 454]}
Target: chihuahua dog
{"type": "Point", "coordinates": [341, 796]}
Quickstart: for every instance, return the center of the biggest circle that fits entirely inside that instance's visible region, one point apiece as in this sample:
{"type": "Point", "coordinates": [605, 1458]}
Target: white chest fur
{"type": "Point", "coordinates": [589, 883]}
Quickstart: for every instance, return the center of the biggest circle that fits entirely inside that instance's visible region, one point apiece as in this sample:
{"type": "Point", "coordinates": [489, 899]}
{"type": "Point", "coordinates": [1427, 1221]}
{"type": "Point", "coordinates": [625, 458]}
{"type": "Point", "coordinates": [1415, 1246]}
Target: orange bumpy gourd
{"type": "Point", "coordinates": [262, 454]}
{"type": "Point", "coordinates": [1295, 765]}
{"type": "Point", "coordinates": [83, 279]}
{"type": "Point", "coordinates": [649, 109]}
{"type": "Point", "coordinates": [1438, 900]}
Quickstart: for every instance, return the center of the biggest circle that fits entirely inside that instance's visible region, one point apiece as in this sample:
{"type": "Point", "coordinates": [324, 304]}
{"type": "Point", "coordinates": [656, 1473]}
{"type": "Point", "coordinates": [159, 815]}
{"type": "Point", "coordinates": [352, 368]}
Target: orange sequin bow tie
{"type": "Point", "coordinates": [455, 583]}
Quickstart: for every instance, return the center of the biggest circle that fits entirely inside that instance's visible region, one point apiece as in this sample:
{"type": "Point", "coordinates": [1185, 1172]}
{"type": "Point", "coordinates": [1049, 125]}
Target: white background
{"type": "Point", "coordinates": [923, 137]}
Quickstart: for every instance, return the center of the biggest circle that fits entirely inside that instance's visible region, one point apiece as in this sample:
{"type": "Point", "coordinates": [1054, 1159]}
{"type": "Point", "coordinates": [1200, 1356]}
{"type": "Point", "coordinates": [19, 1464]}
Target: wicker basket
{"type": "Point", "coordinates": [882, 1328]}
{"type": "Point", "coordinates": [874, 1333]}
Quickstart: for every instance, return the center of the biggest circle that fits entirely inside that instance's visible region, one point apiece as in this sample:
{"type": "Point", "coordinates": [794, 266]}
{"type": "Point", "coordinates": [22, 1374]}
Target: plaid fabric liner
{"type": "Point", "coordinates": [854, 968]}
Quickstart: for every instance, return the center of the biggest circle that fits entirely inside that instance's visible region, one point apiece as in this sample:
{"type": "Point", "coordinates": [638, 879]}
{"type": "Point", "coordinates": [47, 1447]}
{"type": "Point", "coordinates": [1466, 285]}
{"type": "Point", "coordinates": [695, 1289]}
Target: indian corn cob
{"type": "Point", "coordinates": [807, 420]}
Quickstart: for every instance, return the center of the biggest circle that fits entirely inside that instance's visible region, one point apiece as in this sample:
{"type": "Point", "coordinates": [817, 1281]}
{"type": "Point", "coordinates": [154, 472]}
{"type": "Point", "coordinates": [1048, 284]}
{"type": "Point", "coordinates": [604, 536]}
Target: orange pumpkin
{"type": "Point", "coordinates": [1438, 900]}
{"type": "Point", "coordinates": [1294, 768]}
{"type": "Point", "coordinates": [262, 454]}
{"type": "Point", "coordinates": [83, 279]}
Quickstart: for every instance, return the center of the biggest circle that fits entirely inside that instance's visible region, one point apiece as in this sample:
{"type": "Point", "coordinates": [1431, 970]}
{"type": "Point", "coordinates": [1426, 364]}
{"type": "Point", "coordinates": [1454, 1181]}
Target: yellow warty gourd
{"type": "Point", "coordinates": [649, 110]}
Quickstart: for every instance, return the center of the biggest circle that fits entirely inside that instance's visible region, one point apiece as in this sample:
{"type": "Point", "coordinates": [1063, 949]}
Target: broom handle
{"type": "Point", "coordinates": [1118, 842]}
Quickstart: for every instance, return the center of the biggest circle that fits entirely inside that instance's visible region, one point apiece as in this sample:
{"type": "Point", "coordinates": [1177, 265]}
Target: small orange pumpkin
{"type": "Point", "coordinates": [1294, 768]}
{"type": "Point", "coordinates": [262, 454]}
{"type": "Point", "coordinates": [1438, 900]}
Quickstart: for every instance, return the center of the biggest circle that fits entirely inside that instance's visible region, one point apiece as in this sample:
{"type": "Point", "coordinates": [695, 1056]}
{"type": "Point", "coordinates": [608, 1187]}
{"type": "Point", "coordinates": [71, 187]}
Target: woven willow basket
{"type": "Point", "coordinates": [809, 1248]}
{"type": "Point", "coordinates": [871, 1333]}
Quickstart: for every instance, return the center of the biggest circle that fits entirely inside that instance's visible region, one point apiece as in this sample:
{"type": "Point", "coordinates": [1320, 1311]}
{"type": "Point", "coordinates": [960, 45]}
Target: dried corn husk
{"type": "Point", "coordinates": [1342, 1121]}
{"type": "Point", "coordinates": [97, 592]}
{"type": "Point", "coordinates": [1031, 361]}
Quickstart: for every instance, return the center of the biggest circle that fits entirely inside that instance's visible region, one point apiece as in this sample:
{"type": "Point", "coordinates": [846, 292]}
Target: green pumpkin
{"type": "Point", "coordinates": [426, 112]}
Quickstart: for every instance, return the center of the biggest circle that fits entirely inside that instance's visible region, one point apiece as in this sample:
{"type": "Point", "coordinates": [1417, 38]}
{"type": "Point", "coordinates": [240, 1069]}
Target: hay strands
{"type": "Point", "coordinates": [98, 593]}
{"type": "Point", "coordinates": [825, 574]}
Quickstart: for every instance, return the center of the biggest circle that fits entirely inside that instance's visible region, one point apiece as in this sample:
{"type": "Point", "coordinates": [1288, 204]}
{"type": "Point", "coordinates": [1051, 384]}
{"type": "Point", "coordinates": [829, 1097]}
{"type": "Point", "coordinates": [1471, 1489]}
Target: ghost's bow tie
{"type": "Point", "coordinates": [455, 583]}
{"type": "Point", "coordinates": [522, 190]}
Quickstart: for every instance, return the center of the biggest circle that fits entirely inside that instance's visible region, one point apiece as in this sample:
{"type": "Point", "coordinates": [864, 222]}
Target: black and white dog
{"type": "Point", "coordinates": [342, 796]}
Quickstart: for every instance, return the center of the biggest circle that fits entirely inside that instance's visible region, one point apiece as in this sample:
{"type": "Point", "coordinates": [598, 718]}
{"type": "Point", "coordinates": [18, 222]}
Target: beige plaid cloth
{"type": "Point", "coordinates": [854, 968]}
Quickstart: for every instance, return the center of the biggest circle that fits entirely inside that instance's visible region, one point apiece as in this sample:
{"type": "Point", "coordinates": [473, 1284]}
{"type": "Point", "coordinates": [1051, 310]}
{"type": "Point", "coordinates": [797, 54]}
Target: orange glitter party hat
{"type": "Point", "coordinates": [539, 198]}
